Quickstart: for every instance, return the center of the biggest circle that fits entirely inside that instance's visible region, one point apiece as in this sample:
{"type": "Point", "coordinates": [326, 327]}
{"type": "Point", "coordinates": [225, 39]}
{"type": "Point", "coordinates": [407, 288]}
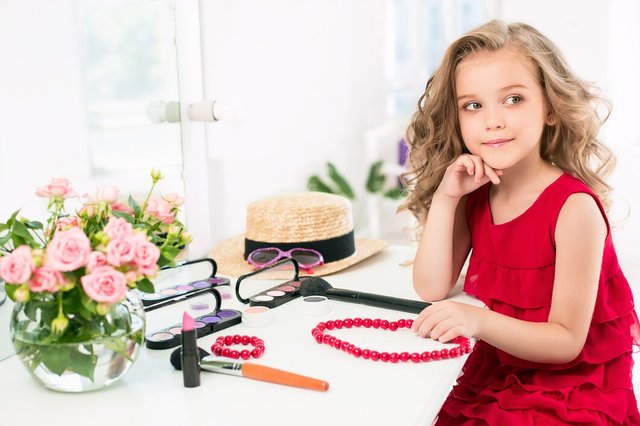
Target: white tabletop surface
{"type": "Point", "coordinates": [361, 391]}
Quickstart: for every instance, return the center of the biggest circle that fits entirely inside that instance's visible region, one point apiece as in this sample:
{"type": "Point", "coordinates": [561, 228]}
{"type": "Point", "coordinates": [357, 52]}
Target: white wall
{"type": "Point", "coordinates": [310, 76]}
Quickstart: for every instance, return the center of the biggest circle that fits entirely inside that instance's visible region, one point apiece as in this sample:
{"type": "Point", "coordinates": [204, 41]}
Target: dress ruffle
{"type": "Point", "coordinates": [499, 389]}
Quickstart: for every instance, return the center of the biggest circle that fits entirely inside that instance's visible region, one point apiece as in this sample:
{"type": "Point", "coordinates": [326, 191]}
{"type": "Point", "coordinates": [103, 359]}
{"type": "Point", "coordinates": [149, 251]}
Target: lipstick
{"type": "Point", "coordinates": [189, 355]}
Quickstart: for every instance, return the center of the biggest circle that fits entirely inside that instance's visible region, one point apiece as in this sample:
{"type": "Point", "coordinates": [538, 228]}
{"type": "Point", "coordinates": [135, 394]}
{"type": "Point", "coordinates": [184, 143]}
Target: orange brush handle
{"type": "Point", "coordinates": [273, 375]}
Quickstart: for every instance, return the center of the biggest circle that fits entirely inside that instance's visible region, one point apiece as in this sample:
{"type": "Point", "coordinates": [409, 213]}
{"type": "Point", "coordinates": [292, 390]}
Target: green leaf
{"type": "Point", "coordinates": [124, 215]}
{"type": "Point", "coordinates": [56, 358]}
{"type": "Point", "coordinates": [145, 286]}
{"type": "Point", "coordinates": [83, 363]}
{"type": "Point", "coordinates": [314, 183]}
{"type": "Point", "coordinates": [343, 186]}
{"type": "Point", "coordinates": [21, 234]}
{"type": "Point", "coordinates": [375, 180]}
{"type": "Point", "coordinates": [134, 205]}
{"type": "Point", "coordinates": [34, 224]}
{"type": "Point", "coordinates": [395, 193]}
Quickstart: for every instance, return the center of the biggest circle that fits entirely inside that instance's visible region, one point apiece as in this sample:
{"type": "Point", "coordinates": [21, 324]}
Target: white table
{"type": "Point", "coordinates": [361, 391]}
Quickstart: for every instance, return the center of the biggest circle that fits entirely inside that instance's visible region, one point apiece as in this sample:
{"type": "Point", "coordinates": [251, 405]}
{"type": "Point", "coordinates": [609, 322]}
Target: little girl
{"type": "Point", "coordinates": [505, 164]}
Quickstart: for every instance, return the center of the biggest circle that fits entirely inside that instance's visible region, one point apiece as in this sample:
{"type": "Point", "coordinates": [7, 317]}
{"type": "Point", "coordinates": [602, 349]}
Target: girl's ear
{"type": "Point", "coordinates": [551, 119]}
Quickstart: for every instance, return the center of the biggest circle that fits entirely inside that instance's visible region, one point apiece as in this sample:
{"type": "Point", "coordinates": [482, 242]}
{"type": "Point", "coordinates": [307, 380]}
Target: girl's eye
{"type": "Point", "coordinates": [472, 106]}
{"type": "Point", "coordinates": [512, 100]}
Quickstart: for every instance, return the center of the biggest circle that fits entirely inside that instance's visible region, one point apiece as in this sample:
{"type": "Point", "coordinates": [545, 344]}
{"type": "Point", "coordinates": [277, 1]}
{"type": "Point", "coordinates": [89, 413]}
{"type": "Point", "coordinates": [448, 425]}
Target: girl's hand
{"type": "Point", "coordinates": [466, 174]}
{"type": "Point", "coordinates": [446, 320]}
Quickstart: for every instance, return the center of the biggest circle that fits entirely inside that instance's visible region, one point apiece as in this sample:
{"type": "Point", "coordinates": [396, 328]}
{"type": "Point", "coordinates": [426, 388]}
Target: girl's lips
{"type": "Point", "coordinates": [497, 143]}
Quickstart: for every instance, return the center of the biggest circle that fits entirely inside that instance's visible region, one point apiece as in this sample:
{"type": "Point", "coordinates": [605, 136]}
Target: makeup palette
{"type": "Point", "coordinates": [276, 296]}
{"type": "Point", "coordinates": [169, 337]}
{"type": "Point", "coordinates": [175, 291]}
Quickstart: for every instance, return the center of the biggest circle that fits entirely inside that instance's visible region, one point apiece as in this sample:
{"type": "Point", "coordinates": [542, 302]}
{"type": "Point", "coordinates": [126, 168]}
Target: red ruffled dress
{"type": "Point", "coordinates": [511, 270]}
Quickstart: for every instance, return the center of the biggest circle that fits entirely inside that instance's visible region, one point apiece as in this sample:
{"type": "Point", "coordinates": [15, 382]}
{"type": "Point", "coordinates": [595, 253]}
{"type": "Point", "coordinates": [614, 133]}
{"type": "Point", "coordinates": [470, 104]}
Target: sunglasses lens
{"type": "Point", "coordinates": [305, 257]}
{"type": "Point", "coordinates": [264, 256]}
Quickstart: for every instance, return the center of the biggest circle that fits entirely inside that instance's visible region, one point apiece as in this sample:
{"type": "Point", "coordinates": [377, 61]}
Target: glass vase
{"type": "Point", "coordinates": [99, 353]}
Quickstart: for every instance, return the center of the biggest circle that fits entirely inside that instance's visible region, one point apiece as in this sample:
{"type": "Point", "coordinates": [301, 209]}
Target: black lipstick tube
{"type": "Point", "coordinates": [190, 359]}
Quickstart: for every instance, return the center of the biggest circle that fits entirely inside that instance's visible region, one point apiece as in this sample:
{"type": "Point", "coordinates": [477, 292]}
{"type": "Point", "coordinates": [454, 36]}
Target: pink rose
{"type": "Point", "coordinates": [146, 258]}
{"type": "Point", "coordinates": [67, 222]}
{"type": "Point", "coordinates": [45, 278]}
{"type": "Point", "coordinates": [161, 210]}
{"type": "Point", "coordinates": [95, 259]}
{"type": "Point", "coordinates": [108, 194]}
{"type": "Point", "coordinates": [68, 250]}
{"type": "Point", "coordinates": [105, 284]}
{"type": "Point", "coordinates": [119, 207]}
{"type": "Point", "coordinates": [16, 267]}
{"type": "Point", "coordinates": [58, 187]}
{"type": "Point", "coordinates": [175, 199]}
{"type": "Point", "coordinates": [121, 250]}
{"type": "Point", "coordinates": [118, 227]}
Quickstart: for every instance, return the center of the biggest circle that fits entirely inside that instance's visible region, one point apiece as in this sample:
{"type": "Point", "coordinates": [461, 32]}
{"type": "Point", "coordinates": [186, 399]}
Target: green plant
{"type": "Point", "coordinates": [375, 184]}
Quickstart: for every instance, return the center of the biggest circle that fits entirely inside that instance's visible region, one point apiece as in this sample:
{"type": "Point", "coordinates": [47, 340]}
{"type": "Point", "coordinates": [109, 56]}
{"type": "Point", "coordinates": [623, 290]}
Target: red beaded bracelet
{"type": "Point", "coordinates": [464, 345]}
{"type": "Point", "coordinates": [218, 348]}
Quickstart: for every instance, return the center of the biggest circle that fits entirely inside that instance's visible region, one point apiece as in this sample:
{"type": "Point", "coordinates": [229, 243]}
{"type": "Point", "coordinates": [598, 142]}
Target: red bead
{"type": "Point", "coordinates": [226, 352]}
{"type": "Point", "coordinates": [375, 355]}
{"type": "Point", "coordinates": [256, 353]}
{"type": "Point", "coordinates": [444, 353]}
{"type": "Point", "coordinates": [347, 323]}
{"type": "Point", "coordinates": [344, 345]}
{"type": "Point", "coordinates": [435, 355]}
{"type": "Point", "coordinates": [329, 325]}
{"type": "Point", "coordinates": [337, 344]}
{"type": "Point", "coordinates": [320, 326]}
{"type": "Point", "coordinates": [318, 338]}
{"type": "Point", "coordinates": [236, 338]}
{"type": "Point", "coordinates": [376, 323]}
{"type": "Point", "coordinates": [384, 324]}
{"type": "Point", "coordinates": [414, 357]}
{"type": "Point", "coordinates": [220, 340]}
{"type": "Point", "coordinates": [366, 353]}
{"type": "Point", "coordinates": [425, 356]}
{"type": "Point", "coordinates": [259, 342]}
{"type": "Point", "coordinates": [245, 340]}
{"type": "Point", "coordinates": [401, 323]}
{"type": "Point", "coordinates": [357, 322]}
{"type": "Point", "coordinates": [228, 340]}
{"type": "Point", "coordinates": [234, 354]}
{"type": "Point", "coordinates": [394, 357]}
{"type": "Point", "coordinates": [245, 354]}
{"type": "Point", "coordinates": [404, 356]}
{"type": "Point", "coordinates": [261, 347]}
{"type": "Point", "coordinates": [253, 340]}
{"type": "Point", "coordinates": [367, 322]}
{"type": "Point", "coordinates": [357, 352]}
{"type": "Point", "coordinates": [332, 340]}
{"type": "Point", "coordinates": [393, 326]}
{"type": "Point", "coordinates": [337, 324]}
{"type": "Point", "coordinates": [326, 339]}
{"type": "Point", "coordinates": [454, 352]}
{"type": "Point", "coordinates": [408, 323]}
{"type": "Point", "coordinates": [217, 350]}
{"type": "Point", "coordinates": [384, 356]}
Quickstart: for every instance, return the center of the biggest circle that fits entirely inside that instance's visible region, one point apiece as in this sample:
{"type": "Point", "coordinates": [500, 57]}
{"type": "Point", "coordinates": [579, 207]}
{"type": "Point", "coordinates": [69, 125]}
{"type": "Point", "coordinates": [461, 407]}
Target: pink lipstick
{"type": "Point", "coordinates": [497, 143]}
{"type": "Point", "coordinates": [189, 355]}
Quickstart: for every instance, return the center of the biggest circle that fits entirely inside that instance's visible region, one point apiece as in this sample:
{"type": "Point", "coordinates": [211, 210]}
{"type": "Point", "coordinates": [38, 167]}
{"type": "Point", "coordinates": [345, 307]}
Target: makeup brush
{"type": "Point", "coordinates": [253, 371]}
{"type": "Point", "coordinates": [315, 286]}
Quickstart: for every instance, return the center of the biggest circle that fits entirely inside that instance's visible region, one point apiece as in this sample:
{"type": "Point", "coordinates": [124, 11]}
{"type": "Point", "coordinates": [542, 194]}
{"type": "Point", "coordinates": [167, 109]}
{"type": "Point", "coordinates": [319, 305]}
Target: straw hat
{"type": "Point", "coordinates": [315, 220]}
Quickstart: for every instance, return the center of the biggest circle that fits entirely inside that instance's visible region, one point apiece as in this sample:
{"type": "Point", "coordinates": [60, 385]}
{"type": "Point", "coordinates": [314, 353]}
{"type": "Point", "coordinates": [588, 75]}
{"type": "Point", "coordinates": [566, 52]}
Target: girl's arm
{"type": "Point", "coordinates": [445, 241]}
{"type": "Point", "coordinates": [580, 236]}
{"type": "Point", "coordinates": [443, 248]}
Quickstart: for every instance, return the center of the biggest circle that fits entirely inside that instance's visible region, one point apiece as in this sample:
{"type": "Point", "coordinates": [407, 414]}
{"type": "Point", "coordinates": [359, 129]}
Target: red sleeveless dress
{"type": "Point", "coordinates": [511, 270]}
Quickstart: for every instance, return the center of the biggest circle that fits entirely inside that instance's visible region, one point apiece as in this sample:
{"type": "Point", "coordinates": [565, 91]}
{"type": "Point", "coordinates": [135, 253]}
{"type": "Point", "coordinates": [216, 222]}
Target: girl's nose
{"type": "Point", "coordinates": [493, 119]}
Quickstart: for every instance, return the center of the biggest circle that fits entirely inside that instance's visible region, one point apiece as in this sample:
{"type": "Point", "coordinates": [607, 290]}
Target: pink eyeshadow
{"type": "Point", "coordinates": [168, 291]}
{"type": "Point", "coordinates": [175, 330]}
{"type": "Point", "coordinates": [275, 293]}
{"type": "Point", "coordinates": [287, 288]}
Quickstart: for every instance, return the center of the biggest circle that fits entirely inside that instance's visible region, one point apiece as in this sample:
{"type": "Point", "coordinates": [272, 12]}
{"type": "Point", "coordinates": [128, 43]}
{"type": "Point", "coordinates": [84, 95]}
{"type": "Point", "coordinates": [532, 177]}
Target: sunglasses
{"type": "Point", "coordinates": [306, 258]}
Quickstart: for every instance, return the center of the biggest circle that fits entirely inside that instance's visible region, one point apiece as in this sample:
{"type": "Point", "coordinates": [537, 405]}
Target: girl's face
{"type": "Point", "coordinates": [501, 108]}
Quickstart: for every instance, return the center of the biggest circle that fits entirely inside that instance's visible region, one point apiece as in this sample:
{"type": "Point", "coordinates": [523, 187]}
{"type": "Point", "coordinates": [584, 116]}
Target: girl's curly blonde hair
{"type": "Point", "coordinates": [571, 144]}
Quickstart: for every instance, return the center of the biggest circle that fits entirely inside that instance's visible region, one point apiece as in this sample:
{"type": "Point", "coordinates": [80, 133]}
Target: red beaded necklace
{"type": "Point", "coordinates": [464, 345]}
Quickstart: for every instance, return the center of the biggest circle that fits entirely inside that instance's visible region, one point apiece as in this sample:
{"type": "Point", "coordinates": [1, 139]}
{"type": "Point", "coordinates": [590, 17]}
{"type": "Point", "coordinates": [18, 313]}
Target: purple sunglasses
{"type": "Point", "coordinates": [306, 258]}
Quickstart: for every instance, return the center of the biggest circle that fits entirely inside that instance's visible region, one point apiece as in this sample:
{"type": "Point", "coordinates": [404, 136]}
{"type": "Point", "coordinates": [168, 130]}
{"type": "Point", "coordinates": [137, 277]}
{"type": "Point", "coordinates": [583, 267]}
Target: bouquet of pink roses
{"type": "Point", "coordinates": [75, 267]}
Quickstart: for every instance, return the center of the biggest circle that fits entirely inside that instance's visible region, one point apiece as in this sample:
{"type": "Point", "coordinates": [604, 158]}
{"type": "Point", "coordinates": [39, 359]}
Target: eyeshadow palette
{"type": "Point", "coordinates": [181, 290]}
{"type": "Point", "coordinates": [205, 324]}
{"type": "Point", "coordinates": [277, 295]}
